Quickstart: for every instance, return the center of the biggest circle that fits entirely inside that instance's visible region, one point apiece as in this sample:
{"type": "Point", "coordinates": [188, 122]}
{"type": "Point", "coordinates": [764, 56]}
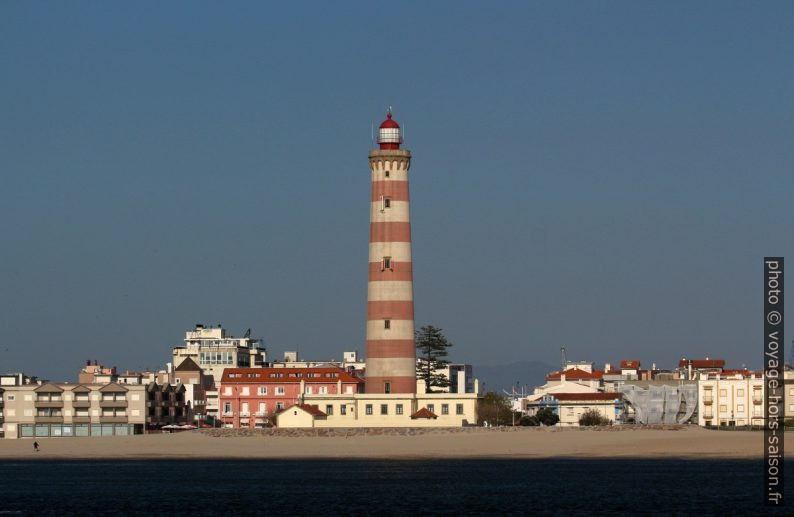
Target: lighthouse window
{"type": "Point", "coordinates": [387, 203]}
{"type": "Point", "coordinates": [386, 262]}
{"type": "Point", "coordinates": [387, 324]}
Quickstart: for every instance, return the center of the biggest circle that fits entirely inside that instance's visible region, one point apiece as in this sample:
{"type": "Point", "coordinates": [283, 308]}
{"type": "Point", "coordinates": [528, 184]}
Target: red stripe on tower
{"type": "Point", "coordinates": [391, 355]}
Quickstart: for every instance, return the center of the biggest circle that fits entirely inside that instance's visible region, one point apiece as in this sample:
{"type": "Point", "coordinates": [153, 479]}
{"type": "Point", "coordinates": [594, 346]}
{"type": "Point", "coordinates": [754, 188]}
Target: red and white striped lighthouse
{"type": "Point", "coordinates": [391, 353]}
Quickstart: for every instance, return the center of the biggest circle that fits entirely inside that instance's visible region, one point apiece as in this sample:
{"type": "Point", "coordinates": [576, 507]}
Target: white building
{"type": "Point", "coordinates": [213, 350]}
{"type": "Point", "coordinates": [731, 398]}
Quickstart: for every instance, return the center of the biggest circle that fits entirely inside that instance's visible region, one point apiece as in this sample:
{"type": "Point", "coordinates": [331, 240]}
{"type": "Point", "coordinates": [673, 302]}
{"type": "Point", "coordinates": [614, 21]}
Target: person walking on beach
{"type": "Point", "coordinates": [35, 446]}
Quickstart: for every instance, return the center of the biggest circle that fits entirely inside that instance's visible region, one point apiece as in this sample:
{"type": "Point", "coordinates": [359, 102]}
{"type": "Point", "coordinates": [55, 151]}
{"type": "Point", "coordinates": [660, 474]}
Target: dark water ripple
{"type": "Point", "coordinates": [395, 487]}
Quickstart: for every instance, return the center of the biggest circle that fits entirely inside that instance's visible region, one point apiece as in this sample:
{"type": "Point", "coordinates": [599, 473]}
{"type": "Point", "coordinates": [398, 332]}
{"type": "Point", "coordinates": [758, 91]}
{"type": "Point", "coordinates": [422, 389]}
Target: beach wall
{"type": "Point", "coordinates": [413, 431]}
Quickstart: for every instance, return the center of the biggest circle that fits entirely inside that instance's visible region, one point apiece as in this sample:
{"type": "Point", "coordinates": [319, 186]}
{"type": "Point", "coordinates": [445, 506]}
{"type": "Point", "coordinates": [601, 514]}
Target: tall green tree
{"type": "Point", "coordinates": [431, 348]}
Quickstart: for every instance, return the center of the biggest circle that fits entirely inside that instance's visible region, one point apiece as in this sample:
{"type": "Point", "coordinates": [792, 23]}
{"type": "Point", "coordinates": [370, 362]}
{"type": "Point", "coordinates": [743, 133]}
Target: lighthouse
{"type": "Point", "coordinates": [391, 353]}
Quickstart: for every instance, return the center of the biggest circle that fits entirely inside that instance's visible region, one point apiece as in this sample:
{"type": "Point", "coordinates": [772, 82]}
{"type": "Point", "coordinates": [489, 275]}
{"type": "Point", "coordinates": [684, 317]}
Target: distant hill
{"type": "Point", "coordinates": [504, 377]}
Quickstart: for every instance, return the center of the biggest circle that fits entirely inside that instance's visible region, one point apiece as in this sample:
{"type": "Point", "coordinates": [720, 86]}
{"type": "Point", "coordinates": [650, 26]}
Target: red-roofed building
{"type": "Point", "coordinates": [250, 397]}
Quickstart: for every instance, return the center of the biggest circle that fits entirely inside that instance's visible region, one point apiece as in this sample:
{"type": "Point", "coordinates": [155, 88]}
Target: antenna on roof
{"type": "Point", "coordinates": [562, 354]}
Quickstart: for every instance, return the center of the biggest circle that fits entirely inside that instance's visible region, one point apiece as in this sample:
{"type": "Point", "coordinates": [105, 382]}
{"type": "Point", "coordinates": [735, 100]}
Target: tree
{"type": "Point", "coordinates": [546, 416]}
{"type": "Point", "coordinates": [431, 346]}
{"type": "Point", "coordinates": [593, 417]}
{"type": "Point", "coordinates": [495, 409]}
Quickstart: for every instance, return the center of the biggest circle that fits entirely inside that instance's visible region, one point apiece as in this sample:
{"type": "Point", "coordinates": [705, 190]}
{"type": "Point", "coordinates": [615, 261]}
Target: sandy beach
{"type": "Point", "coordinates": [694, 443]}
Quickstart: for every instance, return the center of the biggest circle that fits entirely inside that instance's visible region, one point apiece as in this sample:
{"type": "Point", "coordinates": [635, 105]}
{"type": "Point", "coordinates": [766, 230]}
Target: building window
{"type": "Point", "coordinates": [387, 324]}
{"type": "Point", "coordinates": [386, 202]}
{"type": "Point", "coordinates": [740, 392]}
{"type": "Point", "coordinates": [444, 409]}
{"type": "Point", "coordinates": [740, 408]}
{"type": "Point", "coordinates": [329, 409]}
{"type": "Point", "coordinates": [10, 397]}
{"type": "Point", "coordinates": [279, 406]}
{"type": "Point", "coordinates": [342, 409]}
{"type": "Point", "coordinates": [368, 409]}
{"type": "Point", "coordinates": [723, 393]}
{"type": "Point", "coordinates": [280, 390]}
{"type": "Point", "coordinates": [387, 174]}
{"type": "Point", "coordinates": [723, 408]}
{"type": "Point", "coordinates": [386, 387]}
{"type": "Point", "coordinates": [384, 409]}
{"type": "Point", "coordinates": [262, 390]}
{"type": "Point", "coordinates": [308, 390]}
{"type": "Point", "coordinates": [246, 392]}
{"type": "Point", "coordinates": [227, 390]}
{"type": "Point", "coordinates": [458, 409]}
{"type": "Point", "coordinates": [227, 408]}
{"type": "Point", "coordinates": [323, 390]}
{"type": "Point", "coordinates": [431, 408]}
{"type": "Point", "coordinates": [399, 409]}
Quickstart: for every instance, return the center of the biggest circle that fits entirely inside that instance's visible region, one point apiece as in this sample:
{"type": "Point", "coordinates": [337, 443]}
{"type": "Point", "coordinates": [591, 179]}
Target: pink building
{"type": "Point", "coordinates": [250, 397]}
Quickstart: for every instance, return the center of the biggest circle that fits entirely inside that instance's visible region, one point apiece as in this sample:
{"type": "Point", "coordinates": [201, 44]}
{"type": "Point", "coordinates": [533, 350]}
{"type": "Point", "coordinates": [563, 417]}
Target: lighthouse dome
{"type": "Point", "coordinates": [389, 135]}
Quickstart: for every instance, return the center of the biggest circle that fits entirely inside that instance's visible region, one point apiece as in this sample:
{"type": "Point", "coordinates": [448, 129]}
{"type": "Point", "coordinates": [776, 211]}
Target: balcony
{"type": "Point", "coordinates": [758, 400]}
{"type": "Point", "coordinates": [228, 413]}
{"type": "Point", "coordinates": [708, 400]}
{"type": "Point", "coordinates": [45, 403]}
{"type": "Point", "coordinates": [48, 419]}
{"type": "Point", "coordinates": [245, 414]}
{"type": "Point", "coordinates": [113, 403]}
{"type": "Point", "coordinates": [82, 403]}
{"type": "Point", "coordinates": [82, 419]}
{"type": "Point", "coordinates": [113, 419]}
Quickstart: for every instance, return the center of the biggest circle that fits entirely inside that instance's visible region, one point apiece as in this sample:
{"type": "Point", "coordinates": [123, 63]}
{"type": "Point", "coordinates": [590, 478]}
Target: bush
{"type": "Point", "coordinates": [528, 421]}
{"type": "Point", "coordinates": [547, 417]}
{"type": "Point", "coordinates": [593, 417]}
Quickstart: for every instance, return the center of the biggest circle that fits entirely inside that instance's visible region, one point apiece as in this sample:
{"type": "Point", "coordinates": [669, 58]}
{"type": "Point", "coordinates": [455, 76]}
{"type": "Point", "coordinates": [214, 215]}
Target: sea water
{"type": "Point", "coordinates": [384, 487]}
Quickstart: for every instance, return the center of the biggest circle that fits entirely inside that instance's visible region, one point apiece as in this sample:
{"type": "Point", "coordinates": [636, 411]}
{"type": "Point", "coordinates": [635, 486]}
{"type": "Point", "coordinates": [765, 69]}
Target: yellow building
{"type": "Point", "coordinates": [382, 410]}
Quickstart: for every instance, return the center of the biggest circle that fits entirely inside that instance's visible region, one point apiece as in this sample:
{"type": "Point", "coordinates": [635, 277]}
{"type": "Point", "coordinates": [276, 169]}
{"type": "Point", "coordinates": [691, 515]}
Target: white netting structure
{"type": "Point", "coordinates": [661, 404]}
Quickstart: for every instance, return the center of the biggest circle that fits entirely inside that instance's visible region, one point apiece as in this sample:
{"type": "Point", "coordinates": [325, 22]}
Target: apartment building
{"type": "Point", "coordinates": [67, 410]}
{"type": "Point", "coordinates": [214, 350]}
{"type": "Point", "coordinates": [731, 398]}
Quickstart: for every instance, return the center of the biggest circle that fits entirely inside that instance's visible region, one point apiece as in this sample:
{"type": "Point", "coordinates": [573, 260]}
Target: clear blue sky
{"type": "Point", "coordinates": [606, 176]}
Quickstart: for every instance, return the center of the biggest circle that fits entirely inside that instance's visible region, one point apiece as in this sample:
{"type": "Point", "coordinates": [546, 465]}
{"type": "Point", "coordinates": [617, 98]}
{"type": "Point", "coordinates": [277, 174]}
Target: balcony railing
{"type": "Point", "coordinates": [48, 403]}
{"type": "Point", "coordinates": [48, 419]}
{"type": "Point", "coordinates": [113, 419]}
{"type": "Point", "coordinates": [228, 413]}
{"type": "Point", "coordinates": [113, 403]}
{"type": "Point", "coordinates": [245, 413]}
{"type": "Point", "coordinates": [81, 419]}
{"type": "Point", "coordinates": [81, 403]}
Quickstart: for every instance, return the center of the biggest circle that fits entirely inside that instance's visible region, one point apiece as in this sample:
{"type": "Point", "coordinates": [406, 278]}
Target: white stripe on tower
{"type": "Point", "coordinates": [391, 354]}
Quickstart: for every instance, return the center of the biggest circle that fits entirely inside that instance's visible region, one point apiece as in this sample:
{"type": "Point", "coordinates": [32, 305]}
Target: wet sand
{"type": "Point", "coordinates": [694, 443]}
